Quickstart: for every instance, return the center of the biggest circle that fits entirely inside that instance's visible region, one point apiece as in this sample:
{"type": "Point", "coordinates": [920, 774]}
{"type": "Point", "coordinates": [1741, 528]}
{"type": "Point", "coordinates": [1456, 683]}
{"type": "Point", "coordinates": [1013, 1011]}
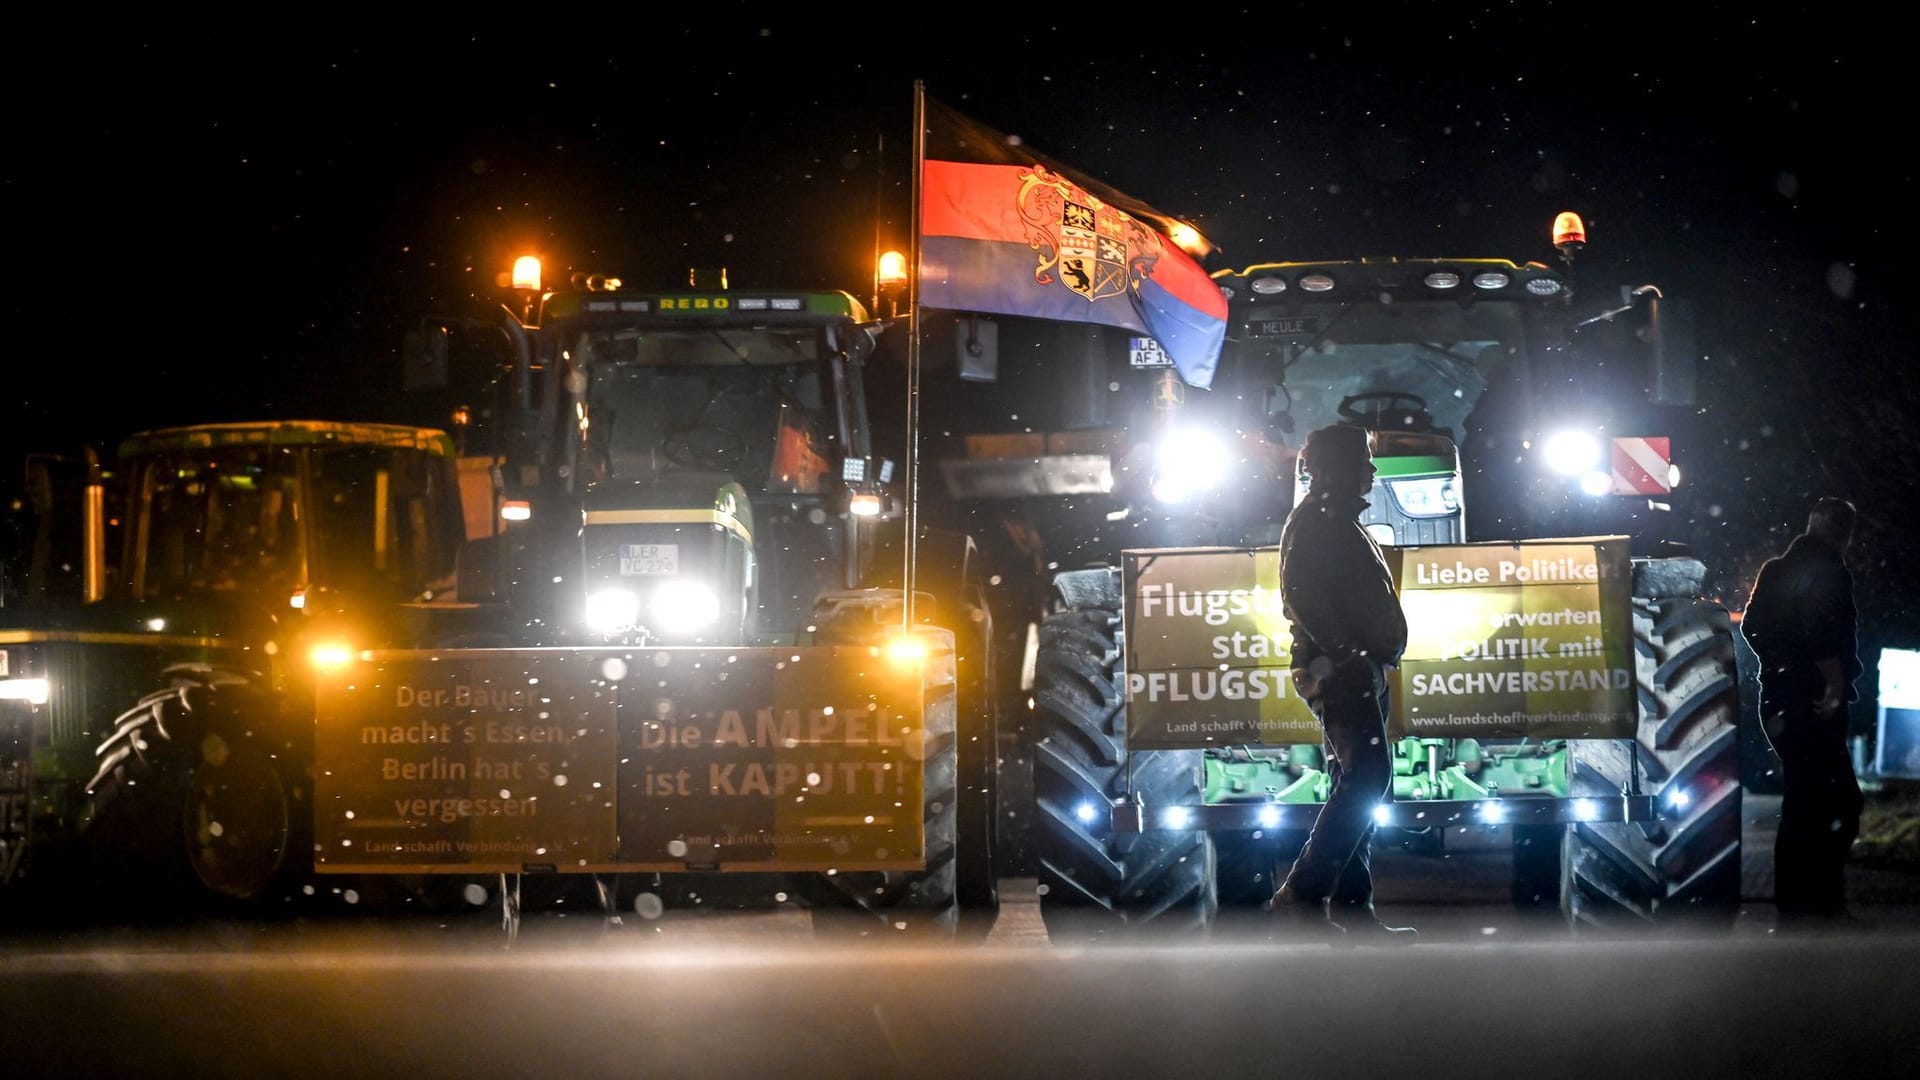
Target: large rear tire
{"type": "Point", "coordinates": [917, 903]}
{"type": "Point", "coordinates": [1682, 871]}
{"type": "Point", "coordinates": [206, 811]}
{"type": "Point", "coordinates": [1095, 884]}
{"type": "Point", "coordinates": [977, 736]}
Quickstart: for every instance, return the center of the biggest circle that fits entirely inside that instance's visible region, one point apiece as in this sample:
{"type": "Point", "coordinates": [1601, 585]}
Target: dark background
{"type": "Point", "coordinates": [220, 220]}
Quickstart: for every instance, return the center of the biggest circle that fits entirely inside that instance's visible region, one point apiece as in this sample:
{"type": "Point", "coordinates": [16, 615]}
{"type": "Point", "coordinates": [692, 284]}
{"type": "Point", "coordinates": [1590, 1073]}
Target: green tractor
{"type": "Point", "coordinates": [692, 469]}
{"type": "Point", "coordinates": [159, 673]}
{"type": "Point", "coordinates": [1604, 744]}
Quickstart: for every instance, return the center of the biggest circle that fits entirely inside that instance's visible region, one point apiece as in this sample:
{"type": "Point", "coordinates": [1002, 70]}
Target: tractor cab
{"type": "Point", "coordinates": [295, 512]}
{"type": "Point", "coordinates": [694, 466]}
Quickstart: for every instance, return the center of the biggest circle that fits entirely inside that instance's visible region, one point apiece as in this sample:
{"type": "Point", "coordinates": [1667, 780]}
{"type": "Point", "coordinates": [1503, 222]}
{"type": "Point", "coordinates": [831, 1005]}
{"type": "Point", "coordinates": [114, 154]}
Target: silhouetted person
{"type": "Point", "coordinates": [1802, 625]}
{"type": "Point", "coordinates": [1348, 629]}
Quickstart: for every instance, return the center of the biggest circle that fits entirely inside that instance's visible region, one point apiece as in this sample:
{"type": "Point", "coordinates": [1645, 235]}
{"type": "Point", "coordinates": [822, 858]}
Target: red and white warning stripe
{"type": "Point", "coordinates": [1641, 465]}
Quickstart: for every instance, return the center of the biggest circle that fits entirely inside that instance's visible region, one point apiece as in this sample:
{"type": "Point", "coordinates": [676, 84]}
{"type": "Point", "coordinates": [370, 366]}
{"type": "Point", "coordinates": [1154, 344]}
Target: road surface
{"type": "Point", "coordinates": [706, 993]}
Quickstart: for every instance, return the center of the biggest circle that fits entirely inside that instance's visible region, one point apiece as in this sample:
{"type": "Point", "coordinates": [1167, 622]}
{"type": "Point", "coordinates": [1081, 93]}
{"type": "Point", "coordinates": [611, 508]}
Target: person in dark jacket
{"type": "Point", "coordinates": [1348, 630]}
{"type": "Point", "coordinates": [1801, 622]}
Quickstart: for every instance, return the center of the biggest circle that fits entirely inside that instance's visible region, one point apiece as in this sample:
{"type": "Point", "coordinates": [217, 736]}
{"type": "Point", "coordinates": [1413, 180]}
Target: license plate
{"type": "Point", "coordinates": [649, 559]}
{"type": "Point", "coordinates": [1146, 352]}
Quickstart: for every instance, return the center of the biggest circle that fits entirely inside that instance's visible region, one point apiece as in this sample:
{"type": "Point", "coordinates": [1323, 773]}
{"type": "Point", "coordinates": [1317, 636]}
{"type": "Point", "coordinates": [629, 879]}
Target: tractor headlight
{"type": "Point", "coordinates": [1572, 452]}
{"type": "Point", "coordinates": [610, 611]}
{"type": "Point", "coordinates": [681, 607]}
{"type": "Point", "coordinates": [1433, 496]}
{"type": "Point", "coordinates": [1187, 462]}
{"type": "Point", "coordinates": [329, 657]}
{"type": "Point", "coordinates": [33, 691]}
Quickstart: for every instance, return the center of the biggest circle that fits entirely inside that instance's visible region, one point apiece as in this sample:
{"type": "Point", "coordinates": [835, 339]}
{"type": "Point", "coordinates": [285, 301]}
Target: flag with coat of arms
{"type": "Point", "coordinates": [1007, 230]}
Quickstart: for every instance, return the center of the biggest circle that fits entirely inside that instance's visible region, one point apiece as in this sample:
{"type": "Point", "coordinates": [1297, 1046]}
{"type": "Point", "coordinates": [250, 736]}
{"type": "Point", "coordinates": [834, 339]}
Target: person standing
{"type": "Point", "coordinates": [1348, 630]}
{"type": "Point", "coordinates": [1802, 624]}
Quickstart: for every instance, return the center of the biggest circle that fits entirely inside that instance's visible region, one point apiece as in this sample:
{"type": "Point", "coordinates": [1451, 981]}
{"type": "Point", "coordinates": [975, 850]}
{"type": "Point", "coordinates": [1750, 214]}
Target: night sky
{"type": "Point", "coordinates": [224, 221]}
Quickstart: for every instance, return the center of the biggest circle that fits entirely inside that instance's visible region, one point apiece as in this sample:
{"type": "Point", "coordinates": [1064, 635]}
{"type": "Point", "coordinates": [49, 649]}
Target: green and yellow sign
{"type": "Point", "coordinates": [1207, 651]}
{"type": "Point", "coordinates": [1529, 638]}
{"type": "Point", "coordinates": [1504, 639]}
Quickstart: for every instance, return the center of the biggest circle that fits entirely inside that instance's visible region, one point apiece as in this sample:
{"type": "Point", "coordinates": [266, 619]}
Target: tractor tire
{"type": "Point", "coordinates": [206, 814]}
{"type": "Point", "coordinates": [1094, 884]}
{"type": "Point", "coordinates": [1683, 870]}
{"type": "Point", "coordinates": [978, 742]}
{"type": "Point", "coordinates": [918, 904]}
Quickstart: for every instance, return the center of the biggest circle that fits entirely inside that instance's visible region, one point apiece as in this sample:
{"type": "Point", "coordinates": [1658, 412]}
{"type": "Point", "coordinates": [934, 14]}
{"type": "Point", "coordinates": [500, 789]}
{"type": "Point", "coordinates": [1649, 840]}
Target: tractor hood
{"type": "Point", "coordinates": [693, 497]}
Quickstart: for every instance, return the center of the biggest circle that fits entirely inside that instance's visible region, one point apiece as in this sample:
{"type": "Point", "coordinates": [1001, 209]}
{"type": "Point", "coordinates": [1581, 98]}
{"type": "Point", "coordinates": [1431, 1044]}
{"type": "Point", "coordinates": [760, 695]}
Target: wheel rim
{"type": "Point", "coordinates": [236, 821]}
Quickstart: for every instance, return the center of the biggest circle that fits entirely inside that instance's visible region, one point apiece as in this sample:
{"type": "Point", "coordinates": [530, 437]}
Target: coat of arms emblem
{"type": "Point", "coordinates": [1083, 243]}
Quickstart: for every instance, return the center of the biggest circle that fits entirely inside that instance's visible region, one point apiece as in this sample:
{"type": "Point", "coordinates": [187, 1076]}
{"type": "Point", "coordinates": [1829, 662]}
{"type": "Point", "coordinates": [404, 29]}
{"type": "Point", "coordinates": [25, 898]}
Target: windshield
{"type": "Point", "coordinates": [1444, 355]}
{"type": "Point", "coordinates": [234, 519]}
{"type": "Point", "coordinates": [218, 521]}
{"type": "Point", "coordinates": [749, 403]}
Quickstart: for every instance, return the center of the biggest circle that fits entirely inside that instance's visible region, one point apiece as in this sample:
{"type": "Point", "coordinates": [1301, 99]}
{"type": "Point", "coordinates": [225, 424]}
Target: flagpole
{"type": "Point", "coordinates": [912, 478]}
{"type": "Point", "coordinates": [879, 212]}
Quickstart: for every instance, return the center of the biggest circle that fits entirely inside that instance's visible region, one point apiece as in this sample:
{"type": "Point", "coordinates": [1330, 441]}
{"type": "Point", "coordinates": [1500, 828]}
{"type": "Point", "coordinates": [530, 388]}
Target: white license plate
{"type": "Point", "coordinates": [1144, 352]}
{"type": "Point", "coordinates": [649, 559]}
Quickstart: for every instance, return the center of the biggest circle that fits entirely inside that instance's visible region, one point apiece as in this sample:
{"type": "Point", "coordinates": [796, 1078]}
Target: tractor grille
{"type": "Point", "coordinates": [90, 683]}
{"type": "Point", "coordinates": [68, 672]}
{"type": "Point", "coordinates": [1409, 531]}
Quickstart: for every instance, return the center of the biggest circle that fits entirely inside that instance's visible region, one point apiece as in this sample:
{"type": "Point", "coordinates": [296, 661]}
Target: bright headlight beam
{"type": "Point", "coordinates": [612, 610]}
{"type": "Point", "coordinates": [330, 655]}
{"type": "Point", "coordinates": [1571, 453]}
{"type": "Point", "coordinates": [1170, 489]}
{"type": "Point", "coordinates": [1492, 813]}
{"type": "Point", "coordinates": [1176, 817]}
{"type": "Point", "coordinates": [906, 650]}
{"type": "Point", "coordinates": [683, 606]}
{"type": "Point", "coordinates": [1085, 812]}
{"type": "Point", "coordinates": [1189, 460]}
{"type": "Point", "coordinates": [33, 691]}
{"type": "Point", "coordinates": [1269, 817]}
{"type": "Point", "coordinates": [1382, 814]}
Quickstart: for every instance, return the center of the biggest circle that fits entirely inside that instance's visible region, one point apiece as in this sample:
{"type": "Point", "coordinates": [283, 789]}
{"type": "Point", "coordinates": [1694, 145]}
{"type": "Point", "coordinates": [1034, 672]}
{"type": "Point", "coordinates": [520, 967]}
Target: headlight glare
{"type": "Point", "coordinates": [32, 691]}
{"type": "Point", "coordinates": [1572, 452]}
{"type": "Point", "coordinates": [329, 656]}
{"type": "Point", "coordinates": [1187, 461]}
{"type": "Point", "coordinates": [681, 607]}
{"type": "Point", "coordinates": [612, 610]}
